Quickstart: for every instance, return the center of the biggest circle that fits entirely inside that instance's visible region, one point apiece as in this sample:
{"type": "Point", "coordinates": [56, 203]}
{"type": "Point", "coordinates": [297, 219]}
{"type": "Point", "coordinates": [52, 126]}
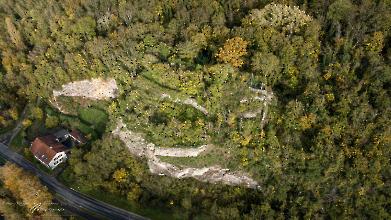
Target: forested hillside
{"type": "Point", "coordinates": [22, 196]}
{"type": "Point", "coordinates": [295, 93]}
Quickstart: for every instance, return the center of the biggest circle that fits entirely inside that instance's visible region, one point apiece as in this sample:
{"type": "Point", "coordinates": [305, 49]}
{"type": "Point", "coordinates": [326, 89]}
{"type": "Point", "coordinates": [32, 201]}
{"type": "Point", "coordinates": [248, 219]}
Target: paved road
{"type": "Point", "coordinates": [91, 208]}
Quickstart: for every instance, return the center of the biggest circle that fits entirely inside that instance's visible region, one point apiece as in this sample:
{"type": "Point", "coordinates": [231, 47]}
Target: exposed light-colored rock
{"type": "Point", "coordinates": [138, 146]}
{"type": "Point", "coordinates": [260, 95]}
{"type": "Point", "coordinates": [214, 174]}
{"type": "Point", "coordinates": [96, 89]}
{"type": "Point", "coordinates": [134, 141]}
{"type": "Point", "coordinates": [192, 102]}
{"type": "Point", "coordinates": [188, 101]}
{"type": "Point", "coordinates": [180, 152]}
{"type": "Point", "coordinates": [252, 114]}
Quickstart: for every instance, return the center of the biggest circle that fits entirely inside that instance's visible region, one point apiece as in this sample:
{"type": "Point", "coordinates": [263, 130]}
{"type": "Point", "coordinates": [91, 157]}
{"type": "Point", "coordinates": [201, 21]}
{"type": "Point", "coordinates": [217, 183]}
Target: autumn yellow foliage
{"type": "Point", "coordinates": [14, 34]}
{"type": "Point", "coordinates": [134, 193]}
{"type": "Point", "coordinates": [307, 121]}
{"type": "Point", "coordinates": [233, 51]}
{"type": "Point", "coordinates": [26, 187]}
{"type": "Point", "coordinates": [120, 175]}
{"type": "Point", "coordinates": [13, 113]}
{"type": "Point", "coordinates": [2, 120]}
{"type": "Point", "coordinates": [27, 123]}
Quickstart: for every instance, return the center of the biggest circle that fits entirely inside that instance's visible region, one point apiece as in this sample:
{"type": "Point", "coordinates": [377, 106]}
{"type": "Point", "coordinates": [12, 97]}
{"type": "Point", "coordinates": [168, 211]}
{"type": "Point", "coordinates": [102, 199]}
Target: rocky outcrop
{"type": "Point", "coordinates": [139, 147]}
{"type": "Point", "coordinates": [192, 102]}
{"type": "Point", "coordinates": [214, 174]}
{"type": "Point", "coordinates": [188, 101]}
{"type": "Point", "coordinates": [97, 89]}
{"type": "Point", "coordinates": [180, 152]}
{"type": "Point", "coordinates": [263, 96]}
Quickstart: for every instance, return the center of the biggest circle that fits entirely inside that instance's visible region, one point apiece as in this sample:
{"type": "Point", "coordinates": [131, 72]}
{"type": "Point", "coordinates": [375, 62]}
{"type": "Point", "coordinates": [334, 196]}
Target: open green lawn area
{"type": "Point", "coordinates": [75, 122]}
{"type": "Point", "coordinates": [89, 120]}
{"type": "Point", "coordinates": [88, 116]}
{"type": "Point", "coordinates": [95, 117]}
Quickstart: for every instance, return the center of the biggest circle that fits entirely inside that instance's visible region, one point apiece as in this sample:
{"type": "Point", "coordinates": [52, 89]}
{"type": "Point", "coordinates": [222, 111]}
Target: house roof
{"type": "Point", "coordinates": [46, 147]}
{"type": "Point", "coordinates": [61, 133]}
{"type": "Point", "coordinates": [78, 136]}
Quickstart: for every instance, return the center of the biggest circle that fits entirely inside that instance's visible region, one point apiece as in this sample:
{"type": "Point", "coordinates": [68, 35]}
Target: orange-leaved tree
{"type": "Point", "coordinates": [232, 51]}
{"type": "Point", "coordinates": [26, 187]}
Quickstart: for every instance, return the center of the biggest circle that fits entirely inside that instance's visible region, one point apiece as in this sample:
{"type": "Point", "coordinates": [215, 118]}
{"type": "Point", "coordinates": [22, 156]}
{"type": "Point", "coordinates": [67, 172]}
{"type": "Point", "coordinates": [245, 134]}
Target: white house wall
{"type": "Point", "coordinates": [57, 158]}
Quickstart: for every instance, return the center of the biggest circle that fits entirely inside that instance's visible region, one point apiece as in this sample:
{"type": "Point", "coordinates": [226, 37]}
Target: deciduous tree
{"type": "Point", "coordinates": [233, 51]}
{"type": "Point", "coordinates": [26, 187]}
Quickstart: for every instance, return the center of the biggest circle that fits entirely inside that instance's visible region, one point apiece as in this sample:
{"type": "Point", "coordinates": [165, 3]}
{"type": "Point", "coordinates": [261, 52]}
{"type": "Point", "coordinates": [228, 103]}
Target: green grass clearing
{"type": "Point", "coordinates": [95, 117]}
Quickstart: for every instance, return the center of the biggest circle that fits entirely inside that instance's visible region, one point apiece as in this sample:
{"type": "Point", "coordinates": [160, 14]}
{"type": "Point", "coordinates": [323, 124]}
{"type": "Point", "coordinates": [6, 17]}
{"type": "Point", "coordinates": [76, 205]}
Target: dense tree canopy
{"type": "Point", "coordinates": [31, 199]}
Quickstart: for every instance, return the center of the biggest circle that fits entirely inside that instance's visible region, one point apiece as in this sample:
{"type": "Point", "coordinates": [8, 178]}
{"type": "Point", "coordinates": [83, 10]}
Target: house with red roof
{"type": "Point", "coordinates": [52, 149]}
